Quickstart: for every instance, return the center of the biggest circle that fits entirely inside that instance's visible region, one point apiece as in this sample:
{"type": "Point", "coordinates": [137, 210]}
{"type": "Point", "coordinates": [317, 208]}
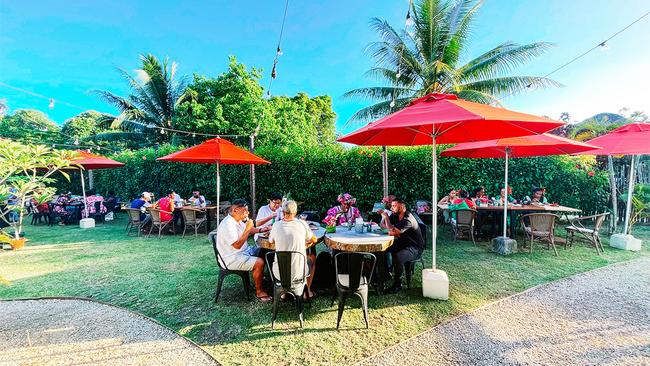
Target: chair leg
{"type": "Point", "coordinates": [247, 285]}
{"type": "Point", "coordinates": [185, 228]}
{"type": "Point", "coordinates": [300, 306]}
{"type": "Point", "coordinates": [219, 284]}
{"type": "Point", "coordinates": [552, 241]}
{"type": "Point", "coordinates": [342, 298]}
{"type": "Point", "coordinates": [364, 306]}
{"type": "Point", "coordinates": [408, 268]}
{"type": "Point", "coordinates": [471, 234]}
{"type": "Point", "coordinates": [276, 297]}
{"type": "Point", "coordinates": [334, 293]}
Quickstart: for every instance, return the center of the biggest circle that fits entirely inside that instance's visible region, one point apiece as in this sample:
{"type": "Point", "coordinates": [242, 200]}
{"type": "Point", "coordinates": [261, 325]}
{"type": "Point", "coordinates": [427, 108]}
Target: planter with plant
{"type": "Point", "coordinates": [25, 177]}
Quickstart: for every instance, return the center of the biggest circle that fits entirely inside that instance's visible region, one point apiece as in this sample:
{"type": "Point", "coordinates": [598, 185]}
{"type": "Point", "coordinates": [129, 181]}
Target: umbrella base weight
{"type": "Point", "coordinates": [503, 245]}
{"type": "Point", "coordinates": [625, 242]}
{"type": "Point", "coordinates": [435, 284]}
{"type": "Point", "coordinates": [86, 223]}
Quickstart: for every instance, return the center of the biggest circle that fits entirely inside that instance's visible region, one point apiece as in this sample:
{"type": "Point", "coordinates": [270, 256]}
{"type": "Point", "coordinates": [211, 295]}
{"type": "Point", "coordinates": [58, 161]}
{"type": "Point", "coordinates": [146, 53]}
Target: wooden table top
{"type": "Point", "coordinates": [263, 240]}
{"type": "Point", "coordinates": [352, 241]}
{"type": "Point", "coordinates": [511, 207]}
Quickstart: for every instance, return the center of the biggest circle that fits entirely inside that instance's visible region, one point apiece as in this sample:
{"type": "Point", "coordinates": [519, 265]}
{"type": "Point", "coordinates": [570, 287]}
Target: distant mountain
{"type": "Point", "coordinates": [604, 119]}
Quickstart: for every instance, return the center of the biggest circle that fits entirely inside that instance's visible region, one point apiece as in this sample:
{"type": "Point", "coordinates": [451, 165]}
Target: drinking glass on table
{"type": "Point", "coordinates": [303, 217]}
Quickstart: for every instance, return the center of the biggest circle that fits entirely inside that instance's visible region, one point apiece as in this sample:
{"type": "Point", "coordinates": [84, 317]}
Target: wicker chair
{"type": "Point", "coordinates": [156, 221]}
{"type": "Point", "coordinates": [134, 221]}
{"type": "Point", "coordinates": [192, 221]}
{"type": "Point", "coordinates": [590, 235]}
{"type": "Point", "coordinates": [539, 226]}
{"type": "Point", "coordinates": [464, 223]}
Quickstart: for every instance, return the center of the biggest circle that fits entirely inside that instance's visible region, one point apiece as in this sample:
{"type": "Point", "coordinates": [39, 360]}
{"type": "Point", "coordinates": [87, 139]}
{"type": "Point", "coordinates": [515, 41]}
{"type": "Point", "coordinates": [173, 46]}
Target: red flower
{"type": "Point", "coordinates": [591, 173]}
{"type": "Point", "coordinates": [578, 166]}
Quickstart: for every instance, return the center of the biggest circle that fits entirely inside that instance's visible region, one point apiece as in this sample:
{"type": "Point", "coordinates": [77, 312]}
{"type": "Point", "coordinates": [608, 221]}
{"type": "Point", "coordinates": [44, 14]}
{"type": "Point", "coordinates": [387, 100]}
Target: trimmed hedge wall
{"type": "Point", "coordinates": [317, 176]}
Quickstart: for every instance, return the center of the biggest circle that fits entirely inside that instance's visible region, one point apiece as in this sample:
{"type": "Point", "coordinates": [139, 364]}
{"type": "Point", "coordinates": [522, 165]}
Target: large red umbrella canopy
{"type": "Point", "coordinates": [213, 151]}
{"type": "Point", "coordinates": [451, 120]}
{"type": "Point", "coordinates": [526, 146]}
{"type": "Point", "coordinates": [90, 161]}
{"type": "Point", "coordinates": [445, 119]}
{"type": "Point", "coordinates": [630, 139]}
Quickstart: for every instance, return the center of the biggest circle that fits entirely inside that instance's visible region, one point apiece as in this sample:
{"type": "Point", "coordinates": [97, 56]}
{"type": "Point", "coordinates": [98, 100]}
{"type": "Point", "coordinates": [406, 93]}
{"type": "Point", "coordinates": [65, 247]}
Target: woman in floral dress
{"type": "Point", "coordinates": [345, 212]}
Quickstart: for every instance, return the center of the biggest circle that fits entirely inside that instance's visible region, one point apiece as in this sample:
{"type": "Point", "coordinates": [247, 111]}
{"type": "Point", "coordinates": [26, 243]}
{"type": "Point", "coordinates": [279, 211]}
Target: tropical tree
{"type": "Point", "coordinates": [29, 126]}
{"type": "Point", "coordinates": [429, 60]}
{"type": "Point", "coordinates": [25, 174]}
{"type": "Point", "coordinates": [156, 91]}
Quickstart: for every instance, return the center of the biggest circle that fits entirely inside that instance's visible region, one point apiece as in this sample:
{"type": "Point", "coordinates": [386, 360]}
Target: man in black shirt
{"type": "Point", "coordinates": [408, 243]}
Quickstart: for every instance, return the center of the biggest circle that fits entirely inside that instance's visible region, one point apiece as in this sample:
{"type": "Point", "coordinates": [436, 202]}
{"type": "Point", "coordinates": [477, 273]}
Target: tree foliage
{"type": "Point", "coordinates": [429, 60]}
{"type": "Point", "coordinates": [29, 126]}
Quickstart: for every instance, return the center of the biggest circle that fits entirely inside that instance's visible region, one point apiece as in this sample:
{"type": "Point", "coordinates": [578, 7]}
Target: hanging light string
{"type": "Point", "coordinates": [278, 51]}
{"type": "Point", "coordinates": [162, 130]}
{"type": "Point", "coordinates": [602, 45]}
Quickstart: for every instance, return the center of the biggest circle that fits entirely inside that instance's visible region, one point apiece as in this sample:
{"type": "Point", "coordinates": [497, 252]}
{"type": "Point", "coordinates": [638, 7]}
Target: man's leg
{"type": "Point", "coordinates": [311, 262]}
{"type": "Point", "coordinates": [258, 275]}
{"type": "Point", "coordinates": [399, 258]}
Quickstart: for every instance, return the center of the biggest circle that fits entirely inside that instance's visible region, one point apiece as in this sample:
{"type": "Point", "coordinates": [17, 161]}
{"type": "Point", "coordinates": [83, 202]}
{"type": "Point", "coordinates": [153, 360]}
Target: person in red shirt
{"type": "Point", "coordinates": [166, 206]}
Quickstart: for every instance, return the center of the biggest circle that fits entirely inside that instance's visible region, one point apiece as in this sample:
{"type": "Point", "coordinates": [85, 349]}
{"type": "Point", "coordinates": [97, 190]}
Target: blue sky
{"type": "Point", "coordinates": [65, 49]}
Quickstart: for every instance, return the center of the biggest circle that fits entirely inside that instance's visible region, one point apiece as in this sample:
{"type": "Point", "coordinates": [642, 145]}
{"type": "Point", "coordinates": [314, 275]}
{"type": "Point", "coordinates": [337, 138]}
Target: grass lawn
{"type": "Point", "coordinates": [173, 280]}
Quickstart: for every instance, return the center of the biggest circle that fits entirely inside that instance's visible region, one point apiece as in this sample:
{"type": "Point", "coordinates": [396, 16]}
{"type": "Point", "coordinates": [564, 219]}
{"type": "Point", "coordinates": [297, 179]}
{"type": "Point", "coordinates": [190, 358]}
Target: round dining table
{"type": "Point", "coordinates": [376, 242]}
{"type": "Point", "coordinates": [264, 243]}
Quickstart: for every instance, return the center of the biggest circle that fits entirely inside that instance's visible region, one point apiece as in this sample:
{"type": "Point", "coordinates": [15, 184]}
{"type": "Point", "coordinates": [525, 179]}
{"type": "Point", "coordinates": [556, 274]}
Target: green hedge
{"type": "Point", "coordinates": [317, 176]}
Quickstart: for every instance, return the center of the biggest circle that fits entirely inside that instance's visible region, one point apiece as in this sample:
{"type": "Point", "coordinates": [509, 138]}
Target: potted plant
{"type": "Point", "coordinates": [25, 173]}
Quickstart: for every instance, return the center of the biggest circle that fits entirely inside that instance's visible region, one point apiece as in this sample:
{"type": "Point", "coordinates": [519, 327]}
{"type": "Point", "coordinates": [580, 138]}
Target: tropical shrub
{"type": "Point", "coordinates": [316, 176]}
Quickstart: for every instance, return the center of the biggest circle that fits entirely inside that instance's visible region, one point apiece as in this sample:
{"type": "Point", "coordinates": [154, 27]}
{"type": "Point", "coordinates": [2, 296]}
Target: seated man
{"type": "Point", "coordinates": [197, 199]}
{"type": "Point", "coordinates": [267, 213]}
{"type": "Point", "coordinates": [141, 204]}
{"type": "Point", "coordinates": [232, 236]}
{"type": "Point", "coordinates": [537, 197]}
{"type": "Point", "coordinates": [408, 243]}
{"type": "Point", "coordinates": [290, 234]}
{"type": "Point", "coordinates": [463, 202]}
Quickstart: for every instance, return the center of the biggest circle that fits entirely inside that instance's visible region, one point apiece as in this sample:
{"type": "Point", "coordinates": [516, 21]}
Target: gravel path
{"type": "Point", "coordinates": [597, 318]}
{"type": "Point", "coordinates": [81, 332]}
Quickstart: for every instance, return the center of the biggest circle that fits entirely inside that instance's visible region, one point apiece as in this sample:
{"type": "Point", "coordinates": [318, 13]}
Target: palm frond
{"type": "Point", "coordinates": [478, 97]}
{"type": "Point", "coordinates": [509, 84]}
{"type": "Point", "coordinates": [377, 110]}
{"type": "Point", "coordinates": [378, 93]}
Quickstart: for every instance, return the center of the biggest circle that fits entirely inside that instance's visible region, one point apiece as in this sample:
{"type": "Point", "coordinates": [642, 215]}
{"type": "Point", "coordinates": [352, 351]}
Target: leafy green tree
{"type": "Point", "coordinates": [429, 61]}
{"type": "Point", "coordinates": [29, 126]}
{"type": "Point", "coordinates": [82, 126]}
{"type": "Point", "coordinates": [156, 91]}
{"type": "Point", "coordinates": [233, 104]}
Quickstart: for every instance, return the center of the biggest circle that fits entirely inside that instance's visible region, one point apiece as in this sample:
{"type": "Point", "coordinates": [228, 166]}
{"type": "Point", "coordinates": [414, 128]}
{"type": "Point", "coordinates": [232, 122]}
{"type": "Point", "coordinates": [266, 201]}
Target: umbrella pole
{"type": "Point", "coordinates": [434, 201]}
{"type": "Point", "coordinates": [505, 199]}
{"type": "Point", "coordinates": [83, 191]}
{"type": "Point", "coordinates": [384, 169]}
{"type": "Point", "coordinates": [630, 193]}
{"type": "Point", "coordinates": [218, 193]}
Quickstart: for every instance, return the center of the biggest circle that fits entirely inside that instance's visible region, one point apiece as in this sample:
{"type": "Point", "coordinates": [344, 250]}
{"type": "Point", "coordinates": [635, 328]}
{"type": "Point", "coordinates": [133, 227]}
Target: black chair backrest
{"type": "Point", "coordinates": [283, 259]}
{"type": "Point", "coordinates": [311, 216]}
{"type": "Point", "coordinates": [353, 264]}
{"type": "Point", "coordinates": [423, 227]}
{"type": "Point", "coordinates": [217, 256]}
{"type": "Point", "coordinates": [98, 207]}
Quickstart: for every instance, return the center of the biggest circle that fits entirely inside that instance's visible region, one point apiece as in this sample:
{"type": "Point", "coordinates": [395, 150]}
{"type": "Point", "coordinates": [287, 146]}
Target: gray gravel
{"type": "Point", "coordinates": [597, 318]}
{"type": "Point", "coordinates": [79, 332]}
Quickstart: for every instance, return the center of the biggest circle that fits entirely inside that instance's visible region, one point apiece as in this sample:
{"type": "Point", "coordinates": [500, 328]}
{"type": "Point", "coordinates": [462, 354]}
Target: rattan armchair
{"type": "Point", "coordinates": [590, 235]}
{"type": "Point", "coordinates": [190, 216]}
{"type": "Point", "coordinates": [539, 226]}
{"type": "Point", "coordinates": [134, 221]}
{"type": "Point", "coordinates": [156, 221]}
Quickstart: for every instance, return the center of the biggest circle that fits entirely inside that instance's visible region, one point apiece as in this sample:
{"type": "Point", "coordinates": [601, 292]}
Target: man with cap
{"type": "Point", "coordinates": [232, 236]}
{"type": "Point", "coordinates": [141, 204]}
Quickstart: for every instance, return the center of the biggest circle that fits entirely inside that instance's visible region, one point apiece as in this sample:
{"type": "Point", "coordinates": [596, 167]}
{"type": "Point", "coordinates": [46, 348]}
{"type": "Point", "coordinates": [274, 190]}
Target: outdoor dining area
{"type": "Point", "coordinates": [347, 252]}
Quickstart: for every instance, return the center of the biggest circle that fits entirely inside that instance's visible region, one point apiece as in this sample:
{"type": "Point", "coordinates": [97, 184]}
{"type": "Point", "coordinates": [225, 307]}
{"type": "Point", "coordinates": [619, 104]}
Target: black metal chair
{"type": "Point", "coordinates": [98, 212]}
{"type": "Point", "coordinates": [37, 215]}
{"type": "Point", "coordinates": [352, 280]}
{"type": "Point", "coordinates": [409, 267]}
{"type": "Point", "coordinates": [311, 216]}
{"type": "Point", "coordinates": [286, 283]}
{"type": "Point", "coordinates": [224, 272]}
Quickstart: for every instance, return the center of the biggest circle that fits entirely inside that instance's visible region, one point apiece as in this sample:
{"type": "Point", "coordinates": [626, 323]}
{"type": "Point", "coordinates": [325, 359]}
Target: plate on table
{"type": "Point", "coordinates": [313, 226]}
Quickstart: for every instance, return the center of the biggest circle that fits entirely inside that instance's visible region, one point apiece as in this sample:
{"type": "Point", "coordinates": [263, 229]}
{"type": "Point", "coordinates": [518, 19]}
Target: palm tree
{"type": "Point", "coordinates": [429, 61]}
{"type": "Point", "coordinates": [156, 91]}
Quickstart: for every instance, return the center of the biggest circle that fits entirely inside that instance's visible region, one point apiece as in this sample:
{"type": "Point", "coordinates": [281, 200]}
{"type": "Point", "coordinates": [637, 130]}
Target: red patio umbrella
{"type": "Point", "coordinates": [215, 151]}
{"type": "Point", "coordinates": [443, 118]}
{"type": "Point", "coordinates": [517, 147]}
{"type": "Point", "coordinates": [631, 139]}
{"type": "Point", "coordinates": [90, 161]}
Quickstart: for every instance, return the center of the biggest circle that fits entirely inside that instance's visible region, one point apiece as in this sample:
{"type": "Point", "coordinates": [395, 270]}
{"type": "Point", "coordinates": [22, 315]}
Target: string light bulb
{"type": "Point", "coordinates": [51, 105]}
{"type": "Point", "coordinates": [279, 51]}
{"type": "Point", "coordinates": [273, 73]}
{"type": "Point", "coordinates": [392, 103]}
{"type": "Point", "coordinates": [604, 47]}
{"type": "Point", "coordinates": [397, 76]}
{"type": "Point", "coordinates": [76, 141]}
{"type": "Point", "coordinates": [193, 135]}
{"type": "Point", "coordinates": [409, 19]}
{"type": "Point", "coordinates": [162, 131]}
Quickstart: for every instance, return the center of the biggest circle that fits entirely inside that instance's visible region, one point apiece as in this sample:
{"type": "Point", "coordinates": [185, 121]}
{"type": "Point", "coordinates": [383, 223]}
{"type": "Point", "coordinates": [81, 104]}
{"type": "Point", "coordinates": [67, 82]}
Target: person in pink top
{"type": "Point", "coordinates": [166, 206]}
